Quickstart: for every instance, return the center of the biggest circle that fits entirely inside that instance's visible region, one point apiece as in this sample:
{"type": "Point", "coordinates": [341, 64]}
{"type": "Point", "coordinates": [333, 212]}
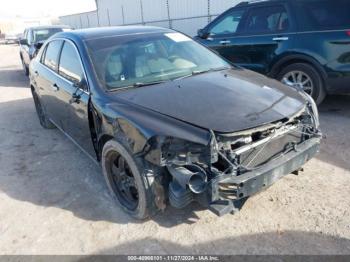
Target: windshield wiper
{"type": "Point", "coordinates": [194, 72]}
{"type": "Point", "coordinates": [135, 85]}
{"type": "Point", "coordinates": [141, 84]}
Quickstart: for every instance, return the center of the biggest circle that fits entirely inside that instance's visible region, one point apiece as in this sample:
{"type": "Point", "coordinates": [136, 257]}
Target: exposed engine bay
{"type": "Point", "coordinates": [215, 176]}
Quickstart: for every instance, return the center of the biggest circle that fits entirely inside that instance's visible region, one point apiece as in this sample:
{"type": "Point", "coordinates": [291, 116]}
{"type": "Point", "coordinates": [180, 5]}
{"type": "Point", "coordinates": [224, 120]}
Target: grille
{"type": "Point", "coordinates": [263, 153]}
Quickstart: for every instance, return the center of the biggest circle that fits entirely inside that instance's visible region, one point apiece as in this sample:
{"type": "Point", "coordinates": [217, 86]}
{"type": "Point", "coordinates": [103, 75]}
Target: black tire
{"type": "Point", "coordinates": [43, 119]}
{"type": "Point", "coordinates": [25, 68]}
{"type": "Point", "coordinates": [318, 92]}
{"type": "Point", "coordinates": [143, 180]}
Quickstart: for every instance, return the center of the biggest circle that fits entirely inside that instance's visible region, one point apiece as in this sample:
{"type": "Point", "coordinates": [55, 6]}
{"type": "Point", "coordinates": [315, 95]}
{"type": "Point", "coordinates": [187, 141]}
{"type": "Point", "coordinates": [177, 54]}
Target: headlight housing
{"type": "Point", "coordinates": [312, 107]}
{"type": "Point", "coordinates": [169, 150]}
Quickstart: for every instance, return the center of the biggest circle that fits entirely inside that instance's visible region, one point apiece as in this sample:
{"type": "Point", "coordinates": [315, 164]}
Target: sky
{"type": "Point", "coordinates": [40, 8]}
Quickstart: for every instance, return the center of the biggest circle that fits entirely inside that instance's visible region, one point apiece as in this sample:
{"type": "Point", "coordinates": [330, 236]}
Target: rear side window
{"type": "Point", "coordinates": [322, 15]}
{"type": "Point", "coordinates": [268, 19]}
{"type": "Point", "coordinates": [51, 54]}
{"type": "Point", "coordinates": [228, 24]}
{"type": "Point", "coordinates": [70, 66]}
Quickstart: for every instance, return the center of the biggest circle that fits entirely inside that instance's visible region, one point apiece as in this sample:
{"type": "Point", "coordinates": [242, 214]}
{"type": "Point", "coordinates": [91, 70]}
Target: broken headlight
{"type": "Point", "coordinates": [181, 152]}
{"type": "Point", "coordinates": [312, 108]}
{"type": "Point", "coordinates": [174, 151]}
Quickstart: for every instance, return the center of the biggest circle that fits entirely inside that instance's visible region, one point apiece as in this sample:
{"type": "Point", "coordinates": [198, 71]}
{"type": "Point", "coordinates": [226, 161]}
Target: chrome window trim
{"type": "Point", "coordinates": [80, 61]}
{"type": "Point", "coordinates": [249, 36]}
{"type": "Point", "coordinates": [322, 31]}
{"type": "Point", "coordinates": [281, 33]}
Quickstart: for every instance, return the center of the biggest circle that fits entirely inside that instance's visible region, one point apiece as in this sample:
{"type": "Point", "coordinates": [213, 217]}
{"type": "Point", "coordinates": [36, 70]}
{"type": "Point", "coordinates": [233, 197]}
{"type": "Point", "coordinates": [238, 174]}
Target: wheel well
{"type": "Point", "coordinates": [281, 66]}
{"type": "Point", "coordinates": [97, 142]}
{"type": "Point", "coordinates": [101, 142]}
{"type": "Point", "coordinates": [278, 67]}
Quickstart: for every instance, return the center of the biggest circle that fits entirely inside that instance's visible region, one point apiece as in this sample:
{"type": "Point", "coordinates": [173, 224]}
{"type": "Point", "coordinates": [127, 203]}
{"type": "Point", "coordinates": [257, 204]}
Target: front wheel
{"type": "Point", "coordinates": [128, 180]}
{"type": "Point", "coordinates": [306, 77]}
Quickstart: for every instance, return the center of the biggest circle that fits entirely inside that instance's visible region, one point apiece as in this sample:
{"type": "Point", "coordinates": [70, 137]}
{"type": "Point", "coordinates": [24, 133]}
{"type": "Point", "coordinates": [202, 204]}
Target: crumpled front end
{"type": "Point", "coordinates": [235, 166]}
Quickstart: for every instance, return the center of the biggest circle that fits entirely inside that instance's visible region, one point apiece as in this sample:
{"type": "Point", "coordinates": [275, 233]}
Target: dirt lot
{"type": "Point", "coordinates": [53, 199]}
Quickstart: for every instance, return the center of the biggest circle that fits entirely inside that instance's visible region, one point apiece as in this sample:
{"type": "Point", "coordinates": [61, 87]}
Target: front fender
{"type": "Point", "coordinates": [137, 126]}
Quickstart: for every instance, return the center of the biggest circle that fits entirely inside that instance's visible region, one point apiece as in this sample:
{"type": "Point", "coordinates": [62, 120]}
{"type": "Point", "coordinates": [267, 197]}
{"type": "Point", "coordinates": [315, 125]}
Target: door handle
{"type": "Point", "coordinates": [282, 38]}
{"type": "Point", "coordinates": [54, 87]}
{"type": "Point", "coordinates": [225, 42]}
{"type": "Point", "coordinates": [36, 73]}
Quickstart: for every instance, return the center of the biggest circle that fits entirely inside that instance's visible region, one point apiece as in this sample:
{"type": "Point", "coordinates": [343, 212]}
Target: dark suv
{"type": "Point", "coordinates": [32, 40]}
{"type": "Point", "coordinates": [303, 43]}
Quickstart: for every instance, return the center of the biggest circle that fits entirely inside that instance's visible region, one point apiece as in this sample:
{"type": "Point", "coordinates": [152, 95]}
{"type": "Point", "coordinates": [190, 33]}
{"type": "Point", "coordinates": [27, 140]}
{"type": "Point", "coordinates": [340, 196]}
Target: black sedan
{"type": "Point", "coordinates": [170, 121]}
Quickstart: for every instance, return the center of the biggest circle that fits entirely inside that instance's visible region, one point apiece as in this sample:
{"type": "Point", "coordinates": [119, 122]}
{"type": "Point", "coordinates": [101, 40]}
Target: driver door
{"type": "Point", "coordinates": [223, 36]}
{"type": "Point", "coordinates": [74, 95]}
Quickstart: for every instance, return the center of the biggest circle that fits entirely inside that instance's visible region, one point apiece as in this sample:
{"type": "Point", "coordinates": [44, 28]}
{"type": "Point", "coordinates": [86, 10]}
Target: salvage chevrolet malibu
{"type": "Point", "coordinates": [168, 120]}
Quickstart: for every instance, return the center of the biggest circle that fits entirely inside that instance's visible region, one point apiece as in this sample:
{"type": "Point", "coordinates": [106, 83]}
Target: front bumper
{"type": "Point", "coordinates": [227, 192]}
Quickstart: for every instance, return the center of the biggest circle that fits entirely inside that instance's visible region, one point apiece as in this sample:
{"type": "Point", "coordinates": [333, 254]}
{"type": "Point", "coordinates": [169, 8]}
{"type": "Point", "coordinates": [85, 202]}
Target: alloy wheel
{"type": "Point", "coordinates": [299, 80]}
{"type": "Point", "coordinates": [123, 181]}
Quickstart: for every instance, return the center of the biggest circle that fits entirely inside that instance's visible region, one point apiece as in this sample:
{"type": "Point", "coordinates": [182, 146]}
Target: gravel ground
{"type": "Point", "coordinates": [53, 199]}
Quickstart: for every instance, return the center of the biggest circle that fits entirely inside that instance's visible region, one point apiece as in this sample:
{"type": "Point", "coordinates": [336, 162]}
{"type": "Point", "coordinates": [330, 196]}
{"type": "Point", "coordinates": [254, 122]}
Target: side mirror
{"type": "Point", "coordinates": [76, 96]}
{"type": "Point", "coordinates": [202, 34]}
{"type": "Point", "coordinates": [82, 84]}
{"type": "Point", "coordinates": [38, 45]}
{"type": "Point", "coordinates": [23, 41]}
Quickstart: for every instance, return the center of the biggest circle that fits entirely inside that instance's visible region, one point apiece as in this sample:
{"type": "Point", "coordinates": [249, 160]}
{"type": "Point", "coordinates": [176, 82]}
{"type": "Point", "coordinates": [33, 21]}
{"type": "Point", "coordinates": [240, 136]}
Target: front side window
{"type": "Point", "coordinates": [51, 54]}
{"type": "Point", "coordinates": [70, 66]}
{"type": "Point", "coordinates": [267, 20]}
{"type": "Point", "coordinates": [228, 24]}
{"type": "Point", "coordinates": [124, 61]}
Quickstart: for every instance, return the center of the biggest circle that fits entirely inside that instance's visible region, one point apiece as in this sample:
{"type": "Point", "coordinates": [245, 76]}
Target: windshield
{"type": "Point", "coordinates": [43, 34]}
{"type": "Point", "coordinates": [137, 60]}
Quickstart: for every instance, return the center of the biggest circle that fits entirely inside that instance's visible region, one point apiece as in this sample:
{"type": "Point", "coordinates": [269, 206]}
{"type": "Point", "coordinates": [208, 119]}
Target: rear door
{"type": "Point", "coordinates": [74, 95]}
{"type": "Point", "coordinates": [47, 78]}
{"type": "Point", "coordinates": [268, 31]}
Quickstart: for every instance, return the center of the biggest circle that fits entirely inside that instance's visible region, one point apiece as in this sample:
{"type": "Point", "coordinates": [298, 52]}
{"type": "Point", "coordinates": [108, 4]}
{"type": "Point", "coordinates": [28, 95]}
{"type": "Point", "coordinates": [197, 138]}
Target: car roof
{"type": "Point", "coordinates": [47, 27]}
{"type": "Point", "coordinates": [100, 32]}
{"type": "Point", "coordinates": [250, 2]}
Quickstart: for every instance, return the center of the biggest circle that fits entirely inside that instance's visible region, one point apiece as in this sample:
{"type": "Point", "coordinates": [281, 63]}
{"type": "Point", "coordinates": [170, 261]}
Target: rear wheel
{"type": "Point", "coordinates": [128, 180]}
{"type": "Point", "coordinates": [43, 119]}
{"type": "Point", "coordinates": [306, 77]}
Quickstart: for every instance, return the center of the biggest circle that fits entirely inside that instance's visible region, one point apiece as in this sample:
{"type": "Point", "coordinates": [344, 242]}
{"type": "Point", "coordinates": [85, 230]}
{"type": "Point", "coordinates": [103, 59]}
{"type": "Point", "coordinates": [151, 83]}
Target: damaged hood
{"type": "Point", "coordinates": [226, 101]}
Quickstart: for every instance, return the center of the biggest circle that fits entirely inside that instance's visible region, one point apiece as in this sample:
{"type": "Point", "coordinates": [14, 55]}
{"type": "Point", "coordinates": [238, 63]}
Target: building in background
{"type": "Point", "coordinates": [184, 15]}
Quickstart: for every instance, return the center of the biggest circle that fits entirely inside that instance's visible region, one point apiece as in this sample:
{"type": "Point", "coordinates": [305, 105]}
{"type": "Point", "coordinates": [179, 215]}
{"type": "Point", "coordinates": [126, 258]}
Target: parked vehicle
{"type": "Point", "coordinates": [303, 43]}
{"type": "Point", "coordinates": [12, 37]}
{"type": "Point", "coordinates": [168, 119]}
{"type": "Point", "coordinates": [33, 39]}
